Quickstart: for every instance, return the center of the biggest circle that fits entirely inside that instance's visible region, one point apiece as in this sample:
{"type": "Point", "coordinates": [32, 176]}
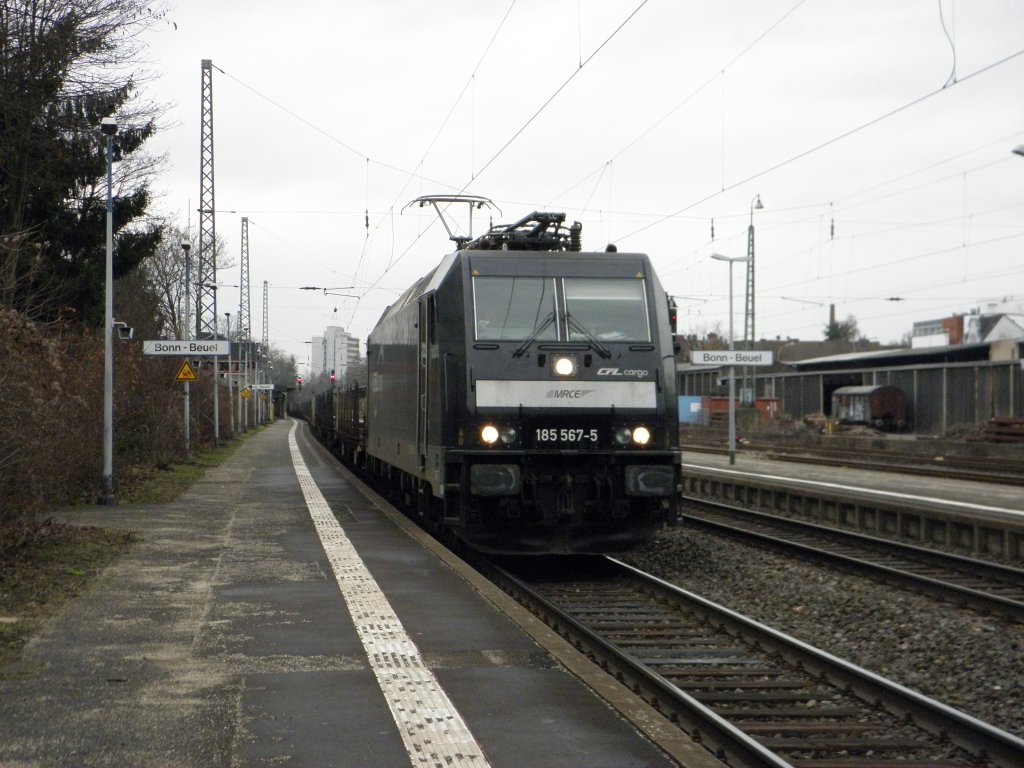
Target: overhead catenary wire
{"type": "Point", "coordinates": [388, 214]}
{"type": "Point", "coordinates": [327, 134]}
{"type": "Point", "coordinates": [952, 45]}
{"type": "Point", "coordinates": [519, 132]}
{"type": "Point", "coordinates": [839, 137]}
{"type": "Point", "coordinates": [410, 176]}
{"type": "Point", "coordinates": [719, 72]}
{"type": "Point", "coordinates": [554, 95]}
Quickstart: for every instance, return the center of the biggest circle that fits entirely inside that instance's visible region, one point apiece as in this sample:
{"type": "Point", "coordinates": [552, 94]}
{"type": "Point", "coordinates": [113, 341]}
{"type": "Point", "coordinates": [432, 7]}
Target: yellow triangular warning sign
{"type": "Point", "coordinates": [186, 373]}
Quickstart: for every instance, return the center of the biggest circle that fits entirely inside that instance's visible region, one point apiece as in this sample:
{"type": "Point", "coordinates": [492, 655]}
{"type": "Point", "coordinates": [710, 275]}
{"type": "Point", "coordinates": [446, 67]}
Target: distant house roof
{"type": "Point", "coordinates": [1005, 327]}
{"type": "Point", "coordinates": [957, 353]}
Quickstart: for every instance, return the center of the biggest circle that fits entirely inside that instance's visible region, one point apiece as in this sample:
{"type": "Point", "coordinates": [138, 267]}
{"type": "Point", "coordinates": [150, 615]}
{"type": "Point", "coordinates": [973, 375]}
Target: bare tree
{"type": "Point", "coordinates": [165, 275]}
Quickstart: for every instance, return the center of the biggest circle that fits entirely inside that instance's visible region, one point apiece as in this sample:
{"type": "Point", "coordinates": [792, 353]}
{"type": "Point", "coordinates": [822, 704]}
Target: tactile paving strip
{"type": "Point", "coordinates": [432, 730]}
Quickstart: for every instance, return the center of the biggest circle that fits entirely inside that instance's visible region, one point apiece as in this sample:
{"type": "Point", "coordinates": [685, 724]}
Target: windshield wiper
{"type": "Point", "coordinates": [574, 325]}
{"type": "Point", "coordinates": [541, 327]}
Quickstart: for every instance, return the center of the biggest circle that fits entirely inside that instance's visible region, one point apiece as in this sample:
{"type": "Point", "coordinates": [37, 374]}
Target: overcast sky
{"type": "Point", "coordinates": [878, 135]}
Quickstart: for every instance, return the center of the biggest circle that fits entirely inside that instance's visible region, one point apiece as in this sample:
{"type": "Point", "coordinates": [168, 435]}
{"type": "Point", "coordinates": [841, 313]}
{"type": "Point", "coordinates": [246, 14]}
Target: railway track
{"type": "Point", "coordinates": [750, 694]}
{"type": "Point", "coordinates": [985, 586]}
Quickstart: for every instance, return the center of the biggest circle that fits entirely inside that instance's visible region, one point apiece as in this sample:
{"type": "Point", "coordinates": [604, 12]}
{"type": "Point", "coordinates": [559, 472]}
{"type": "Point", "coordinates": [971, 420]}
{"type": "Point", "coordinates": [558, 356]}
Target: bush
{"type": "Point", "coordinates": [51, 415]}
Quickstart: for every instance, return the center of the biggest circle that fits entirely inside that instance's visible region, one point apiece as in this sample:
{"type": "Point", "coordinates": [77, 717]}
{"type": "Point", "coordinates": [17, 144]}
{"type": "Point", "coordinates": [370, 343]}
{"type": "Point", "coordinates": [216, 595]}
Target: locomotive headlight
{"type": "Point", "coordinates": [491, 434]}
{"type": "Point", "coordinates": [641, 435]}
{"type": "Point", "coordinates": [564, 365]}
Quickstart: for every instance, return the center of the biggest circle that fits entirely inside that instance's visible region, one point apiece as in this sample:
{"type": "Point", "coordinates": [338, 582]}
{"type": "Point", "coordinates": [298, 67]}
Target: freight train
{"type": "Point", "coordinates": [521, 397]}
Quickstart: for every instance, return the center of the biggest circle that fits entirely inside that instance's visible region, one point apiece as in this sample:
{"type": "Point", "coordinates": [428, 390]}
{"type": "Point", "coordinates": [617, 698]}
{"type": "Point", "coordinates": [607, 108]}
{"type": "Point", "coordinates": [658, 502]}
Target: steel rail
{"type": "Point", "coordinates": [700, 721]}
{"type": "Point", "coordinates": [826, 540]}
{"type": "Point", "coordinates": [1005, 749]}
{"type": "Point", "coordinates": [727, 739]}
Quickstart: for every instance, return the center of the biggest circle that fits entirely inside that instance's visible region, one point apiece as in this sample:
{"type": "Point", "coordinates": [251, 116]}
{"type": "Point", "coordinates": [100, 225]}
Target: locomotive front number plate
{"type": "Point", "coordinates": [564, 435]}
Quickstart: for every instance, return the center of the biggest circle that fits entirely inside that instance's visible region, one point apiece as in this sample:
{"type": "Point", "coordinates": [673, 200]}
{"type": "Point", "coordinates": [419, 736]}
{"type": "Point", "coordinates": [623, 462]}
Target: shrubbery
{"type": "Point", "coordinates": [51, 415]}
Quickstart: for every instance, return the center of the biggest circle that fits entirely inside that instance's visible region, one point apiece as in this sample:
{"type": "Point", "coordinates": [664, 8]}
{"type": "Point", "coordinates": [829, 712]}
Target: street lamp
{"type": "Point", "coordinates": [749, 394]}
{"type": "Point", "coordinates": [108, 126]}
{"type": "Point", "coordinates": [1018, 150]}
{"type": "Point", "coordinates": [732, 368]}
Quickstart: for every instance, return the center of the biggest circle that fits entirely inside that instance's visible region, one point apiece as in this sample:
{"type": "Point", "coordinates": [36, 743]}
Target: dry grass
{"type": "Point", "coordinates": [42, 568]}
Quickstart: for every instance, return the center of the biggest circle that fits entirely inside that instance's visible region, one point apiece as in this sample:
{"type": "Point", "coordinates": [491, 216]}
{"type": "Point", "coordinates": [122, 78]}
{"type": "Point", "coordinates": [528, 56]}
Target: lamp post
{"type": "Point", "coordinates": [749, 393]}
{"type": "Point", "coordinates": [109, 127]}
{"type": "Point", "coordinates": [732, 368]}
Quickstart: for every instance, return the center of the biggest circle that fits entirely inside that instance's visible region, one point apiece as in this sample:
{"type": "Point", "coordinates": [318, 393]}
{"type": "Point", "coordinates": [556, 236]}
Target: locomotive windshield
{"type": "Point", "coordinates": [511, 308]}
{"type": "Point", "coordinates": [518, 308]}
{"type": "Point", "coordinates": [611, 309]}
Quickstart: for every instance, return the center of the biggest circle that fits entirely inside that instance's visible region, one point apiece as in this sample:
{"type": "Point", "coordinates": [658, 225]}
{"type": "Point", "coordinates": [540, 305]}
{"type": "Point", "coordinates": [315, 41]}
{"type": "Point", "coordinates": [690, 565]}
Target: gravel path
{"type": "Point", "coordinates": [970, 661]}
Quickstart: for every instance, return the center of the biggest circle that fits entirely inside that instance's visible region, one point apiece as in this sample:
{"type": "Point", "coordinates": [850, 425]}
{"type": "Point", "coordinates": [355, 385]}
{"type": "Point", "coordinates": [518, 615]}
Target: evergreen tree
{"type": "Point", "coordinates": [64, 65]}
{"type": "Point", "coordinates": [844, 330]}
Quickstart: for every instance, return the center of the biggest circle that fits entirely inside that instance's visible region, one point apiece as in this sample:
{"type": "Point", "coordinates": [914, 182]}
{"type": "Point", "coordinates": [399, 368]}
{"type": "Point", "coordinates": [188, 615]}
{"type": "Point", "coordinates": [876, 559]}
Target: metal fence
{"type": "Point", "coordinates": [940, 396]}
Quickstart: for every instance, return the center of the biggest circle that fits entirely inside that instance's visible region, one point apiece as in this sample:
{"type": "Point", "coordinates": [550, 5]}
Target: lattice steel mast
{"type": "Point", "coordinates": [206, 290]}
{"type": "Point", "coordinates": [206, 283]}
{"type": "Point", "coordinates": [243, 322]}
{"type": "Point", "coordinates": [266, 338]}
{"type": "Point", "coordinates": [243, 294]}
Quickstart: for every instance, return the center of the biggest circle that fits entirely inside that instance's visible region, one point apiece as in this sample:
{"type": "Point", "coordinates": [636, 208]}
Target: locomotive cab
{"type": "Point", "coordinates": [527, 399]}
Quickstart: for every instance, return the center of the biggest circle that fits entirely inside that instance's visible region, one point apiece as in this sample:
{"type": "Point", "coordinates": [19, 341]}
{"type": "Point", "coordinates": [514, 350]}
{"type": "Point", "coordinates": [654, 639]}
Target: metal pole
{"type": "Point", "coordinates": [732, 383]}
{"type": "Point", "coordinates": [230, 376]}
{"type": "Point", "coordinates": [749, 392]}
{"type": "Point", "coordinates": [243, 353]}
{"type": "Point", "coordinates": [250, 416]}
{"type": "Point", "coordinates": [238, 380]}
{"type": "Point", "coordinates": [732, 366]}
{"type": "Point", "coordinates": [186, 247]}
{"type": "Point", "coordinates": [109, 128]}
{"type": "Point", "coordinates": [216, 373]}
{"type": "Point", "coordinates": [257, 409]}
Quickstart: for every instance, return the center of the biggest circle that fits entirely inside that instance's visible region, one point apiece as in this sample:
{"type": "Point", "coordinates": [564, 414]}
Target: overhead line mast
{"type": "Point", "coordinates": [266, 340]}
{"type": "Point", "coordinates": [206, 290]}
{"type": "Point", "coordinates": [244, 330]}
{"type": "Point", "coordinates": [243, 283]}
{"type": "Point", "coordinates": [206, 287]}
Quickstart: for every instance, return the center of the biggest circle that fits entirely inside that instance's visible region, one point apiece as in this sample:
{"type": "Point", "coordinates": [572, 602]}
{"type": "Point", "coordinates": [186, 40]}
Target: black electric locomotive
{"type": "Point", "coordinates": [522, 395]}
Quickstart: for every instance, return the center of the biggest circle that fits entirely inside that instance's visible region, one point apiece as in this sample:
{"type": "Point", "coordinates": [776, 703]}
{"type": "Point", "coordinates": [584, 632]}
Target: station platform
{"type": "Point", "coordinates": [280, 614]}
{"type": "Point", "coordinates": [969, 496]}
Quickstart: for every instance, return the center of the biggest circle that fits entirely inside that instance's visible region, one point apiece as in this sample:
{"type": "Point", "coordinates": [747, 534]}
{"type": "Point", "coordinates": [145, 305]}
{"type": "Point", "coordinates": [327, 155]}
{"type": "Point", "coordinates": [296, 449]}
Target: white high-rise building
{"type": "Point", "coordinates": [335, 350]}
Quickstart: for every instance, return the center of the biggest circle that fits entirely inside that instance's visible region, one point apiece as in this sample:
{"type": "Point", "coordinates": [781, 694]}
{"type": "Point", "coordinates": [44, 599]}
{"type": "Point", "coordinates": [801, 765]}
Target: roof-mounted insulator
{"type": "Point", "coordinates": [575, 237]}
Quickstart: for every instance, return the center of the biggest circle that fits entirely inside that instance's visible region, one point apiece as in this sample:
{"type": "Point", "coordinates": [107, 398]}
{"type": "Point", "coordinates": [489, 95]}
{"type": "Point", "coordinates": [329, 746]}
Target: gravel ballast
{"type": "Point", "coordinates": [969, 661]}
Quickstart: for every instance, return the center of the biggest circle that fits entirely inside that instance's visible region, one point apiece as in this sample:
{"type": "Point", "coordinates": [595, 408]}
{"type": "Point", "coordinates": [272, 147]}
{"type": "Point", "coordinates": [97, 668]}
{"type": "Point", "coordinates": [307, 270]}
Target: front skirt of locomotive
{"type": "Point", "coordinates": [554, 502]}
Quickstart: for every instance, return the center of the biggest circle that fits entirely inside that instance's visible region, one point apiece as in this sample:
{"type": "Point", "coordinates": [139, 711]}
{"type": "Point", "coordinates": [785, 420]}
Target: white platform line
{"type": "Point", "coordinates": [432, 730]}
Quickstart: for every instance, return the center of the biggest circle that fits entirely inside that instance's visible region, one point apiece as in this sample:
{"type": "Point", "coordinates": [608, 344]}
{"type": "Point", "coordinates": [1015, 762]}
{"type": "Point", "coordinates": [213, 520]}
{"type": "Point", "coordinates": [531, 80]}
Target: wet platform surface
{"type": "Point", "coordinates": [236, 632]}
